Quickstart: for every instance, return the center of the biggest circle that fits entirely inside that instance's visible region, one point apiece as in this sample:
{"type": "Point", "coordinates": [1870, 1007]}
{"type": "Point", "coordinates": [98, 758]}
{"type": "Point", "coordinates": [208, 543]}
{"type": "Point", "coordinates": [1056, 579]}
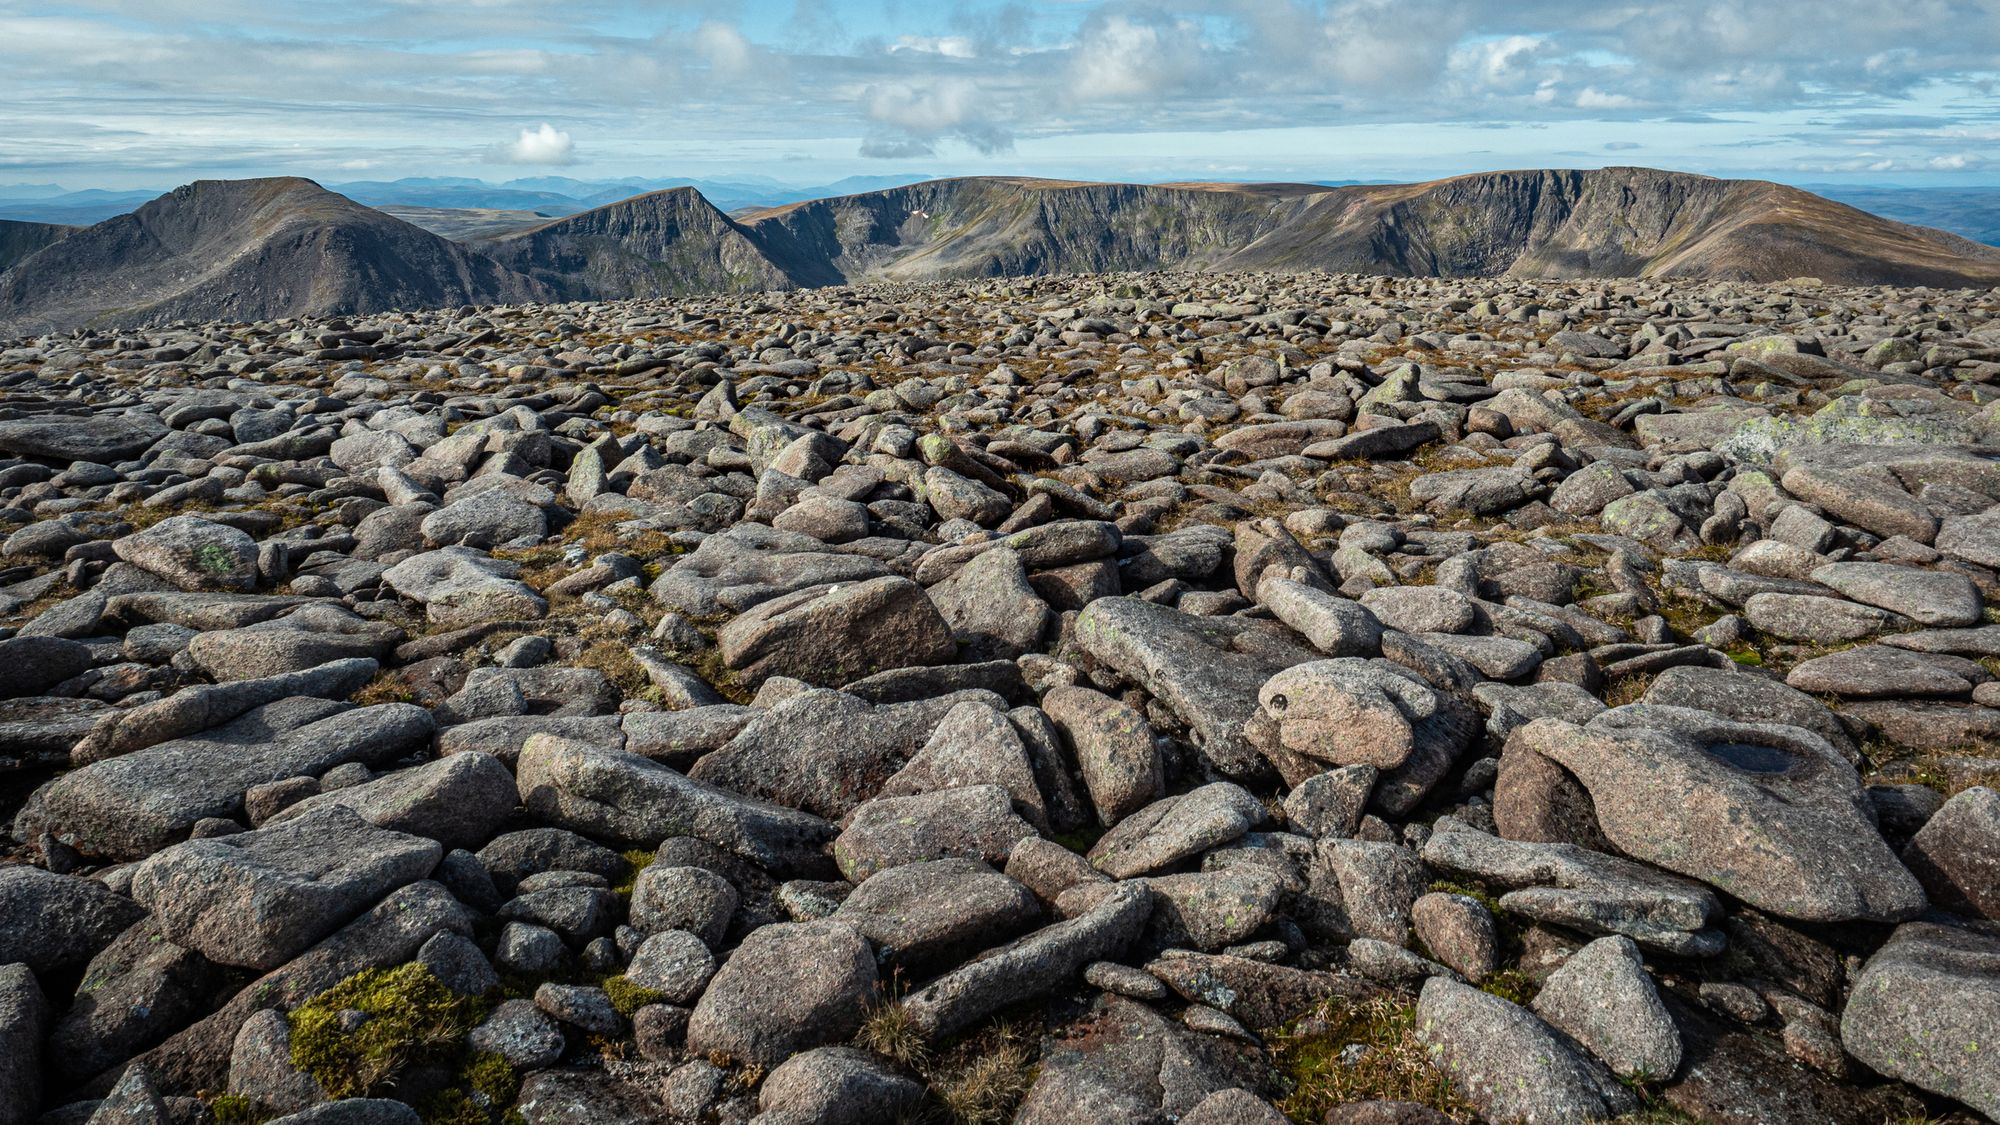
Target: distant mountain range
{"type": "Point", "coordinates": [1973, 212]}
{"type": "Point", "coordinates": [552, 196]}
{"type": "Point", "coordinates": [255, 249]}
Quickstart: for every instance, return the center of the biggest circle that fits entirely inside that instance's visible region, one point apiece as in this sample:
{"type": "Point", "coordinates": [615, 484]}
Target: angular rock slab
{"type": "Point", "coordinates": [260, 898]}
{"type": "Point", "coordinates": [102, 441]}
{"type": "Point", "coordinates": [1585, 890]}
{"type": "Point", "coordinates": [788, 987]}
{"type": "Point", "coordinates": [1032, 966]}
{"type": "Point", "coordinates": [1884, 672]}
{"type": "Point", "coordinates": [193, 554]}
{"type": "Point", "coordinates": [128, 808]}
{"type": "Point", "coordinates": [198, 708]}
{"type": "Point", "coordinates": [459, 801]}
{"type": "Point", "coordinates": [1956, 855]}
{"type": "Point", "coordinates": [749, 564]}
{"type": "Point", "coordinates": [835, 1086]}
{"type": "Point", "coordinates": [1926, 1010]}
{"type": "Point", "coordinates": [1348, 712]}
{"type": "Point", "coordinates": [51, 922]}
{"type": "Point", "coordinates": [1603, 998]}
{"type": "Point", "coordinates": [825, 751]}
{"type": "Point", "coordinates": [1770, 814]}
{"type": "Point", "coordinates": [1206, 670]}
{"type": "Point", "coordinates": [638, 803]}
{"type": "Point", "coordinates": [460, 587]}
{"type": "Point", "coordinates": [968, 822]}
{"type": "Point", "coordinates": [927, 917]}
{"type": "Point", "coordinates": [24, 1017]}
{"type": "Point", "coordinates": [1511, 1065]}
{"type": "Point", "coordinates": [1937, 598]}
{"type": "Point", "coordinates": [1176, 828]}
{"type": "Point", "coordinates": [832, 635]}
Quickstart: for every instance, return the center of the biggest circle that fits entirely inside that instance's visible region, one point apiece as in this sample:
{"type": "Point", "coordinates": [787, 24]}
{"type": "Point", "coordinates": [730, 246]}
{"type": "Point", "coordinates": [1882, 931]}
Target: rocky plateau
{"type": "Point", "coordinates": [1213, 695]}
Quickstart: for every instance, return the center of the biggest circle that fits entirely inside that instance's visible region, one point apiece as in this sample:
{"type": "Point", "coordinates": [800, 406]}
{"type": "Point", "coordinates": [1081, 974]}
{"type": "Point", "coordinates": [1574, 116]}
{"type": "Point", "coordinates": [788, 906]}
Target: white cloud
{"type": "Point", "coordinates": [913, 117]}
{"type": "Point", "coordinates": [1500, 62]}
{"type": "Point", "coordinates": [1593, 98]}
{"type": "Point", "coordinates": [101, 90]}
{"type": "Point", "coordinates": [726, 50]}
{"type": "Point", "coordinates": [544, 145]}
{"type": "Point", "coordinates": [1119, 58]}
{"type": "Point", "coordinates": [949, 46]}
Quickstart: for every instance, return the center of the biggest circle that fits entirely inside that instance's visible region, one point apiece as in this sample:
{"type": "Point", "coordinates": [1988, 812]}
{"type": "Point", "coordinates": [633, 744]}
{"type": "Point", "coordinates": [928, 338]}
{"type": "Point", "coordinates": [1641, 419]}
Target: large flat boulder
{"type": "Point", "coordinates": [130, 807]}
{"type": "Point", "coordinates": [1770, 814]}
{"type": "Point", "coordinates": [260, 898]}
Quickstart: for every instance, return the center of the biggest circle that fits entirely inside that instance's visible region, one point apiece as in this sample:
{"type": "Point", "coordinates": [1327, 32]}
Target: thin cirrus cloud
{"type": "Point", "coordinates": [104, 91]}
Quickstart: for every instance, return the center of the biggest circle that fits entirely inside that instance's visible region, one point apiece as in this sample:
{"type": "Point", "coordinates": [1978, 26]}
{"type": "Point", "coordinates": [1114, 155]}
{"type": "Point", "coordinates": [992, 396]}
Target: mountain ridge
{"type": "Point", "coordinates": [251, 249]}
{"type": "Point", "coordinates": [247, 250]}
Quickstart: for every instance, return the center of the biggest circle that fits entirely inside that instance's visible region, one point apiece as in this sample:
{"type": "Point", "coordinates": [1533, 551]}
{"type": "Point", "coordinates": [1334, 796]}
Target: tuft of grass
{"type": "Point", "coordinates": [614, 659]}
{"type": "Point", "coordinates": [384, 688]}
{"type": "Point", "coordinates": [1627, 689]}
{"type": "Point", "coordinates": [889, 1031]}
{"type": "Point", "coordinates": [1345, 1051]}
{"type": "Point", "coordinates": [1511, 984]}
{"type": "Point", "coordinates": [984, 1079]}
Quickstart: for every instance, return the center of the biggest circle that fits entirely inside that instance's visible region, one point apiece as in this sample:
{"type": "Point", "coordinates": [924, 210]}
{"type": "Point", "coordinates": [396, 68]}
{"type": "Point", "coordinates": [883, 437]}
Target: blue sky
{"type": "Point", "coordinates": [122, 93]}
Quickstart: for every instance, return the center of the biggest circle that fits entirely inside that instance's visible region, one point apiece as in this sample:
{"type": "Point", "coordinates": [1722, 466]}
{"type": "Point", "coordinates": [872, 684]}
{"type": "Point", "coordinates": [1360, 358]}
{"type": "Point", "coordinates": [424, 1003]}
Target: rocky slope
{"type": "Point", "coordinates": [662, 244]}
{"type": "Point", "coordinates": [246, 250]}
{"type": "Point", "coordinates": [18, 240]}
{"type": "Point", "coordinates": [1221, 697]}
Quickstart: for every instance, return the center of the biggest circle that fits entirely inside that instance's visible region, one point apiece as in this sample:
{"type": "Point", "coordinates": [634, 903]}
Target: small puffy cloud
{"type": "Point", "coordinates": [1621, 146]}
{"type": "Point", "coordinates": [543, 145]}
{"type": "Point", "coordinates": [724, 48]}
{"type": "Point", "coordinates": [1507, 61]}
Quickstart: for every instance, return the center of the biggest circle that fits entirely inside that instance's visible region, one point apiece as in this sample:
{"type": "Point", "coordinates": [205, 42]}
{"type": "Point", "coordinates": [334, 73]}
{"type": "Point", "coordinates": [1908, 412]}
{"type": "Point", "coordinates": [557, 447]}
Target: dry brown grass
{"type": "Point", "coordinates": [981, 1080]}
{"type": "Point", "coordinates": [384, 688]}
{"type": "Point", "coordinates": [1627, 689]}
{"type": "Point", "coordinates": [889, 1031]}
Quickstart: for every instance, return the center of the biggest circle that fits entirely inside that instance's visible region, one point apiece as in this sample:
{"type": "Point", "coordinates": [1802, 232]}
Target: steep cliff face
{"type": "Point", "coordinates": [1613, 222]}
{"type": "Point", "coordinates": [993, 227]}
{"type": "Point", "coordinates": [662, 244]}
{"type": "Point", "coordinates": [247, 250]}
{"type": "Point", "coordinates": [18, 239]}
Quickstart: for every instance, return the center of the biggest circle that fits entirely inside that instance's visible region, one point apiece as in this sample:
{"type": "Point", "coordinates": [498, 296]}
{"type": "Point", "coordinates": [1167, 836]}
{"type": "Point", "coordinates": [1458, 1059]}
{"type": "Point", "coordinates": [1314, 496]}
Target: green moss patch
{"type": "Point", "coordinates": [627, 998]}
{"type": "Point", "coordinates": [409, 1020]}
{"type": "Point", "coordinates": [1344, 1051]}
